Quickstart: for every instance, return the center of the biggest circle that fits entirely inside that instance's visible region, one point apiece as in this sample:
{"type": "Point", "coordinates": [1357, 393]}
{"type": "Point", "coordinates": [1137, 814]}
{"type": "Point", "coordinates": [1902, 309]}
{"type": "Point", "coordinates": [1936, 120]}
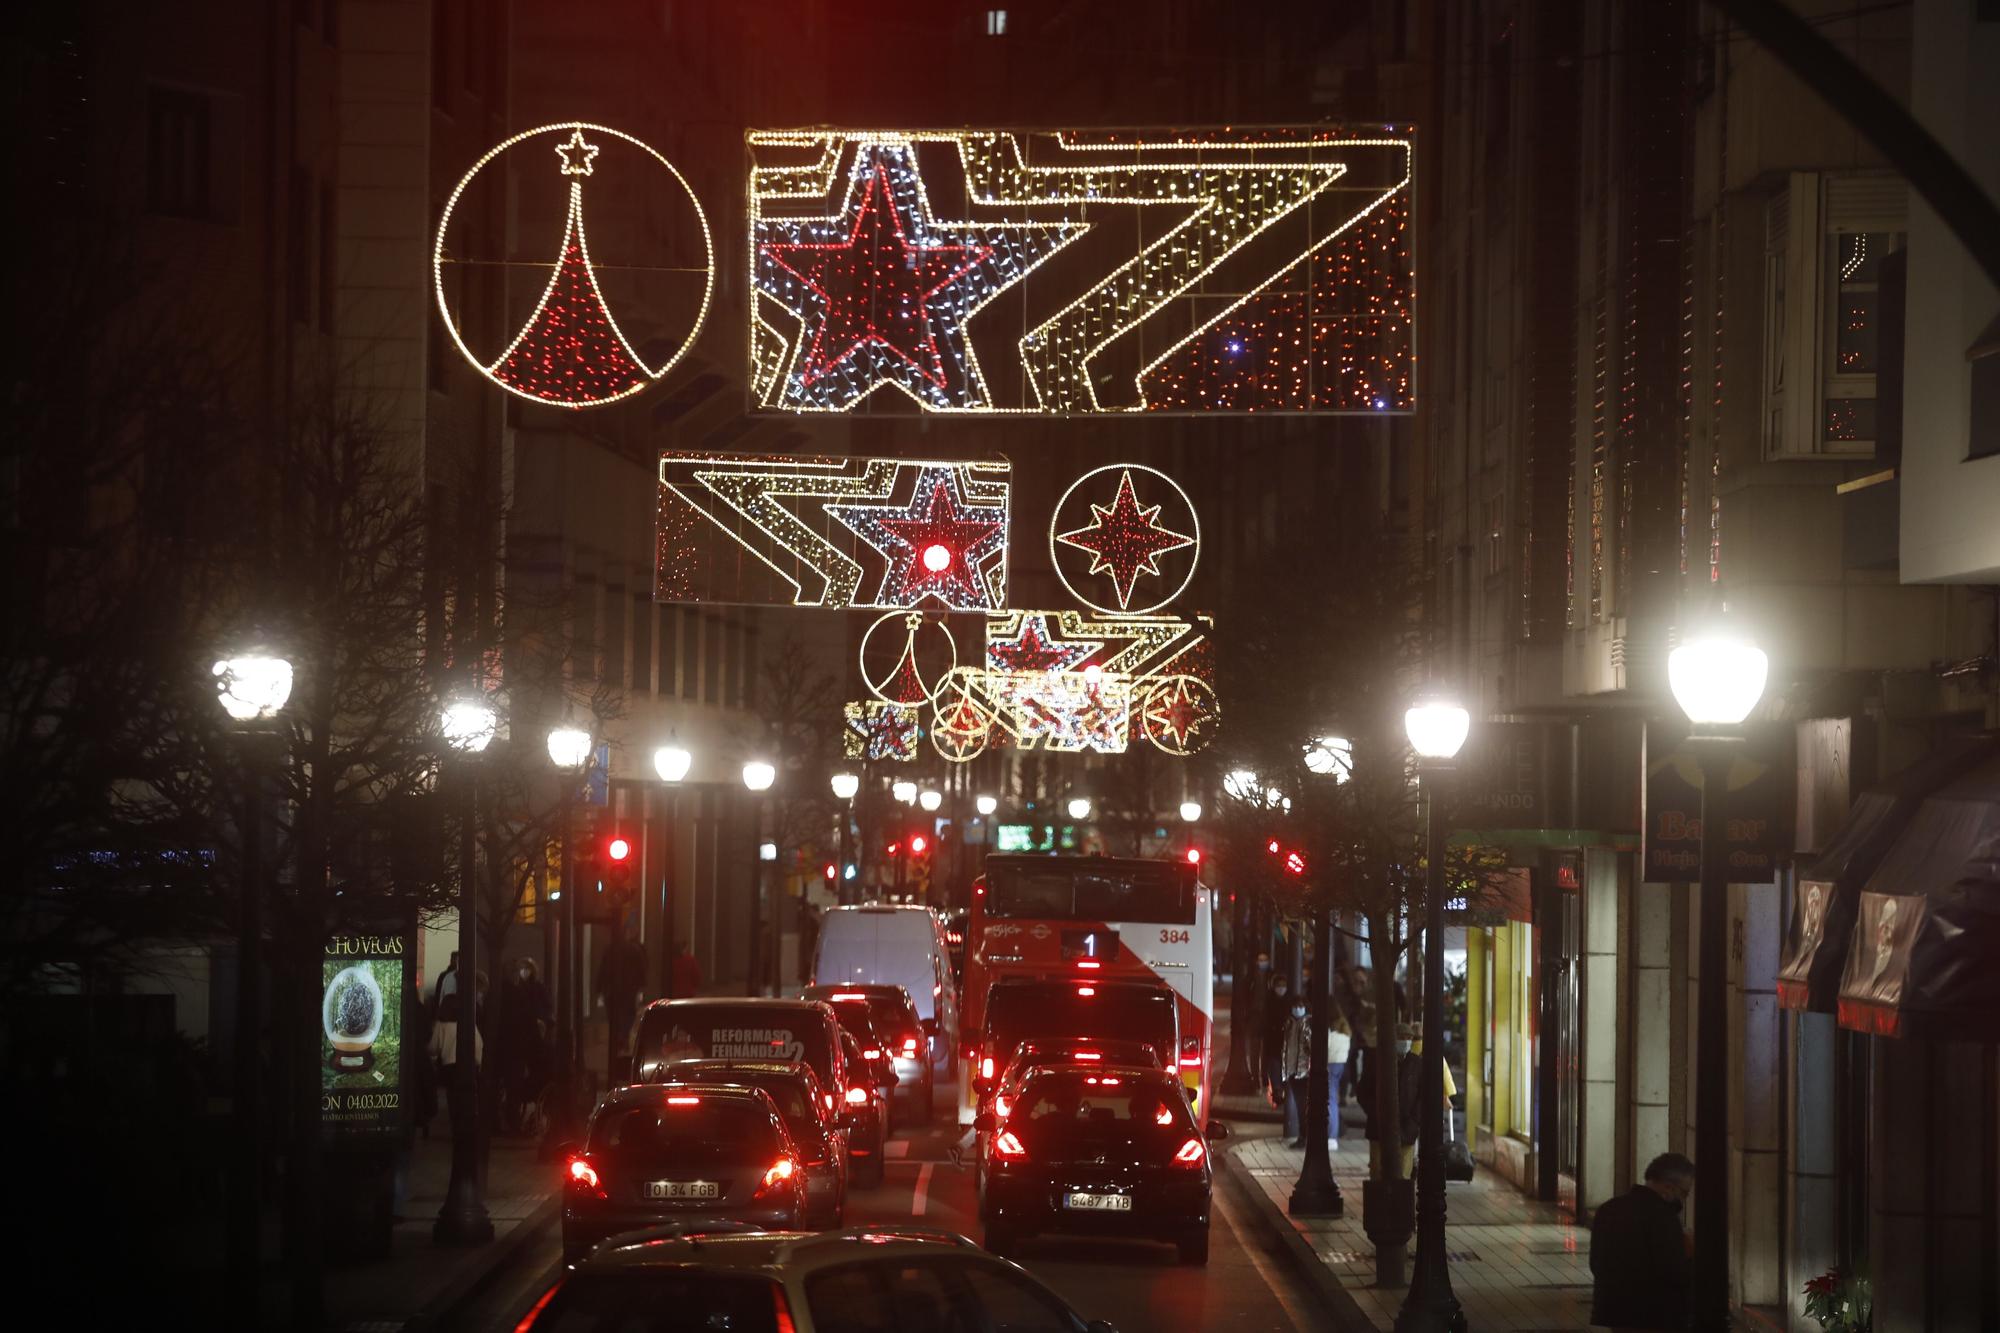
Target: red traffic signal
{"type": "Point", "coordinates": [918, 845]}
{"type": "Point", "coordinates": [1272, 846]}
{"type": "Point", "coordinates": [1194, 856]}
{"type": "Point", "coordinates": [829, 870]}
{"type": "Point", "coordinates": [1294, 863]}
{"type": "Point", "coordinates": [617, 849]}
{"type": "Point", "coordinates": [894, 848]}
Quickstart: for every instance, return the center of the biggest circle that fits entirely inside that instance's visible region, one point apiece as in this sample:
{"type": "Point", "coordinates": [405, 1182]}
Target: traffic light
{"type": "Point", "coordinates": [604, 868]}
{"type": "Point", "coordinates": [919, 845]}
{"type": "Point", "coordinates": [1194, 856]}
{"type": "Point", "coordinates": [830, 872]}
{"type": "Point", "coordinates": [617, 864]}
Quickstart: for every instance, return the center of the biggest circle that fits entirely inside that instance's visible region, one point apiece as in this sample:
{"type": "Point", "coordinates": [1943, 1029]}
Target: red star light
{"type": "Point", "coordinates": [1125, 540]}
{"type": "Point", "coordinates": [1036, 649]}
{"type": "Point", "coordinates": [876, 286]}
{"type": "Point", "coordinates": [937, 545]}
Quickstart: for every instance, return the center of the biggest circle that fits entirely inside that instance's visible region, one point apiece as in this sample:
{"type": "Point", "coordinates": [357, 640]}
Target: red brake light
{"type": "Point", "coordinates": [780, 1172]}
{"type": "Point", "coordinates": [909, 1046]}
{"type": "Point", "coordinates": [684, 1101]}
{"type": "Point", "coordinates": [1006, 1145]}
{"type": "Point", "coordinates": [1087, 1055]}
{"type": "Point", "coordinates": [1190, 1062]}
{"type": "Point", "coordinates": [829, 1101]}
{"type": "Point", "coordinates": [857, 1096]}
{"type": "Point", "coordinates": [1163, 1116]}
{"type": "Point", "coordinates": [1088, 963]}
{"type": "Point", "coordinates": [872, 1053]}
{"type": "Point", "coordinates": [842, 996]}
{"type": "Point", "coordinates": [1086, 991]}
{"type": "Point", "coordinates": [583, 1174]}
{"type": "Point", "coordinates": [986, 1067]}
{"type": "Point", "coordinates": [1001, 1106]}
{"type": "Point", "coordinates": [1190, 1153]}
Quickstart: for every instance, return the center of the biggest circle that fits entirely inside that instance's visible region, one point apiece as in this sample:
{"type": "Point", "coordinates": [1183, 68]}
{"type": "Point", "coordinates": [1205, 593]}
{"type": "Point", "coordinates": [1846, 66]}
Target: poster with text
{"type": "Point", "coordinates": [362, 1066]}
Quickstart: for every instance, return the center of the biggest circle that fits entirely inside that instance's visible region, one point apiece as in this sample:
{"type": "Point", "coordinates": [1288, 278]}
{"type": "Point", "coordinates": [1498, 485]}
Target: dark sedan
{"type": "Point", "coordinates": [819, 1133]}
{"type": "Point", "coordinates": [1106, 1152]}
{"type": "Point", "coordinates": [657, 1151]}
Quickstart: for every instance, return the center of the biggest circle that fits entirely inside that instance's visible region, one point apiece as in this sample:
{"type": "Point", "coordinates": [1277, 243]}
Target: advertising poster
{"type": "Point", "coordinates": [362, 1065]}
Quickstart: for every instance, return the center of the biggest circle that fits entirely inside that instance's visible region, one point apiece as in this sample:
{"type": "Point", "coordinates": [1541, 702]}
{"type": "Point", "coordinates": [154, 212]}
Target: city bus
{"type": "Point", "coordinates": [1074, 917]}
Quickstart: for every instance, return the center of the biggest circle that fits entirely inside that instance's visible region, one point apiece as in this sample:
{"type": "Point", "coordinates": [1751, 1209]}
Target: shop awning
{"type": "Point", "coordinates": [1923, 958]}
{"type": "Point", "coordinates": [1829, 889]}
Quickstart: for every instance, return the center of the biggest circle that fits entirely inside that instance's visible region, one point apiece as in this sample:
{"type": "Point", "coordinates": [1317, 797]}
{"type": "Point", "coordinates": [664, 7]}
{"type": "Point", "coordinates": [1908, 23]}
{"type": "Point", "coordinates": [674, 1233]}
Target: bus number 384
{"type": "Point", "coordinates": [1174, 937]}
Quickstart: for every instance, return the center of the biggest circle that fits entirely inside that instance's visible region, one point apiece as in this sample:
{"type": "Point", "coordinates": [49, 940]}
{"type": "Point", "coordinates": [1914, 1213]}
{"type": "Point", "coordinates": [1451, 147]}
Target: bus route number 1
{"type": "Point", "coordinates": [1174, 937]}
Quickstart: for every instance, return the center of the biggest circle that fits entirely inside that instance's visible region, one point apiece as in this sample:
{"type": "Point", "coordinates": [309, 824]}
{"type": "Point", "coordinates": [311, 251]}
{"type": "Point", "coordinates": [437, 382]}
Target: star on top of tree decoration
{"type": "Point", "coordinates": [576, 155]}
{"type": "Point", "coordinates": [937, 545]}
{"type": "Point", "coordinates": [1125, 540]}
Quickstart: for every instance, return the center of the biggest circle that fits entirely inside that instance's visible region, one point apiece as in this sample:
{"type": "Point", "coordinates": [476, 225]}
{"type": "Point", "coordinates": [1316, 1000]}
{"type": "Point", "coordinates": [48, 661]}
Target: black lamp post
{"type": "Point", "coordinates": [1317, 1194]}
{"type": "Point", "coordinates": [672, 763]}
{"type": "Point", "coordinates": [758, 776]}
{"type": "Point", "coordinates": [468, 728]}
{"type": "Point", "coordinates": [1436, 730]}
{"type": "Point", "coordinates": [1717, 678]}
{"type": "Point", "coordinates": [569, 751]}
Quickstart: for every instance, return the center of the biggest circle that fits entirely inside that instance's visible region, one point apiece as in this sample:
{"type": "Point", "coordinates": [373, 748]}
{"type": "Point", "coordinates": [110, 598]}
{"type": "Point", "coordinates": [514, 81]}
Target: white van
{"type": "Point", "coordinates": [900, 945]}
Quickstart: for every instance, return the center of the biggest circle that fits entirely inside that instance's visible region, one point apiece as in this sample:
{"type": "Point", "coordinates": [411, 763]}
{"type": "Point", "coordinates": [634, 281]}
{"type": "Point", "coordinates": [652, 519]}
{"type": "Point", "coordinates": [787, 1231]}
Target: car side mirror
{"type": "Point", "coordinates": [984, 1122]}
{"type": "Point", "coordinates": [1218, 1130]}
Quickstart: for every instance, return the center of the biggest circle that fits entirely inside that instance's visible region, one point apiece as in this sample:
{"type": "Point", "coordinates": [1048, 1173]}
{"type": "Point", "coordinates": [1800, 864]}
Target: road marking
{"type": "Point", "coordinates": [1273, 1281]}
{"type": "Point", "coordinates": [920, 1199]}
{"type": "Point", "coordinates": [896, 1148]}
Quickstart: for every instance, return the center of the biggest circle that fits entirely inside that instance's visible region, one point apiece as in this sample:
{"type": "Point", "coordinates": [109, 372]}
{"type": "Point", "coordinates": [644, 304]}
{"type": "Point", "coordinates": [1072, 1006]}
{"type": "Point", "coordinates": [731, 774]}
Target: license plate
{"type": "Point", "coordinates": [1098, 1203]}
{"type": "Point", "coordinates": [683, 1189]}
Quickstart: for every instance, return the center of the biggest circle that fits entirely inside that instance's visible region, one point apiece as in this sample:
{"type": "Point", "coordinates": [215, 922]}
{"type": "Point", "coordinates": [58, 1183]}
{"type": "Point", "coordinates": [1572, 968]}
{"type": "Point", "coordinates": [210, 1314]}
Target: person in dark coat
{"type": "Point", "coordinates": [1409, 1078]}
{"type": "Point", "coordinates": [1271, 1037]}
{"type": "Point", "coordinates": [1638, 1252]}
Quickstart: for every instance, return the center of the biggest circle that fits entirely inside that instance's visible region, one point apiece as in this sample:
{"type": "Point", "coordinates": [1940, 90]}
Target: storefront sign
{"type": "Point", "coordinates": [362, 1070]}
{"type": "Point", "coordinates": [1500, 778]}
{"type": "Point", "coordinates": [1757, 809]}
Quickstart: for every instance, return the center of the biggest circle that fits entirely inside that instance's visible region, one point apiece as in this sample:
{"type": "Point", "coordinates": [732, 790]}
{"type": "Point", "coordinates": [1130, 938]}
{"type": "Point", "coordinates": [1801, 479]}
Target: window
{"type": "Point", "coordinates": [1010, 1302]}
{"type": "Point", "coordinates": [1983, 439]}
{"type": "Point", "coordinates": [178, 144]}
{"type": "Point", "coordinates": [996, 23]}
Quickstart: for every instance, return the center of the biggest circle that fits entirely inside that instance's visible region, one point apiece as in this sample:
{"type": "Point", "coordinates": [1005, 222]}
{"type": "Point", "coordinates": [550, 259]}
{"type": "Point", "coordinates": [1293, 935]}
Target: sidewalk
{"type": "Point", "coordinates": [1516, 1264]}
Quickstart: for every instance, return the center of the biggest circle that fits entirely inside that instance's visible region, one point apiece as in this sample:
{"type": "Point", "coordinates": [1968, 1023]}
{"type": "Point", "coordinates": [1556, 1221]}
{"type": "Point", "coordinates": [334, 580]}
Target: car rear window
{"type": "Point", "coordinates": [661, 1300]}
{"type": "Point", "coordinates": [1066, 1101]}
{"type": "Point", "coordinates": [731, 1032]}
{"type": "Point", "coordinates": [656, 1131]}
{"type": "Point", "coordinates": [1016, 1013]}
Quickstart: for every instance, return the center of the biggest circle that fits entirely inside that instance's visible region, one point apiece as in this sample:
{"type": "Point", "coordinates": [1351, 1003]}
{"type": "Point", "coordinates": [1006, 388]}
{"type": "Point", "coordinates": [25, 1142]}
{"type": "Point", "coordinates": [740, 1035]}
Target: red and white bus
{"type": "Point", "coordinates": [1072, 917]}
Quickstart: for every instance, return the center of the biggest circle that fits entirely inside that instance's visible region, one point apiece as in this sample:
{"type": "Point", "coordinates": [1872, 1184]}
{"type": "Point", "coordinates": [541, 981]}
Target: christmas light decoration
{"type": "Point", "coordinates": [905, 682]}
{"type": "Point", "coordinates": [833, 532]}
{"type": "Point", "coordinates": [570, 352]}
{"type": "Point", "coordinates": [857, 285]}
{"type": "Point", "coordinates": [880, 731]}
{"type": "Point", "coordinates": [1126, 538]}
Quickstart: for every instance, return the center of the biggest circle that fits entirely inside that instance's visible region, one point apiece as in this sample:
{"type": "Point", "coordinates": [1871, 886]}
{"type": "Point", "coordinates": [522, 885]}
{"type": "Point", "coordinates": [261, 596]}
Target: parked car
{"type": "Point", "coordinates": [894, 1015]}
{"type": "Point", "coordinates": [809, 1283]}
{"type": "Point", "coordinates": [708, 1149]}
{"type": "Point", "coordinates": [717, 1028]}
{"type": "Point", "coordinates": [1100, 1152]}
{"type": "Point", "coordinates": [867, 1107]}
{"type": "Point", "coordinates": [819, 1132]}
{"type": "Point", "coordinates": [899, 945]}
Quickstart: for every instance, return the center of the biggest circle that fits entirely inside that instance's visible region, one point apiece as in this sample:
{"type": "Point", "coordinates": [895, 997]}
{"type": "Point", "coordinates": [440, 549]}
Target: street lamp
{"type": "Point", "coordinates": [672, 763]}
{"type": "Point", "coordinates": [758, 775]}
{"type": "Point", "coordinates": [1717, 676]}
{"type": "Point", "coordinates": [252, 690]}
{"type": "Point", "coordinates": [1437, 729]}
{"type": "Point", "coordinates": [569, 752]}
{"type": "Point", "coordinates": [930, 798]}
{"type": "Point", "coordinates": [1079, 807]}
{"type": "Point", "coordinates": [1190, 811]}
{"type": "Point", "coordinates": [468, 726]}
{"type": "Point", "coordinates": [1316, 1193]}
{"type": "Point", "coordinates": [987, 804]}
{"type": "Point", "coordinates": [904, 791]}
{"type": "Point", "coordinates": [845, 787]}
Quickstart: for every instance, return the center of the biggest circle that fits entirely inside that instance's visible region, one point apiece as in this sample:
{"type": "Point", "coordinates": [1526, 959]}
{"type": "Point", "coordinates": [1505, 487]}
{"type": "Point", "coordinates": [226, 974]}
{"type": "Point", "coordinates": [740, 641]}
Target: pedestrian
{"type": "Point", "coordinates": [525, 1014]}
{"type": "Point", "coordinates": [1401, 1062]}
{"type": "Point", "coordinates": [1297, 1066]}
{"type": "Point", "coordinates": [444, 1053]}
{"type": "Point", "coordinates": [1638, 1253]}
{"type": "Point", "coordinates": [1339, 1039]}
{"type": "Point", "coordinates": [686, 973]}
{"type": "Point", "coordinates": [621, 976]}
{"type": "Point", "coordinates": [1271, 1038]}
{"type": "Point", "coordinates": [447, 982]}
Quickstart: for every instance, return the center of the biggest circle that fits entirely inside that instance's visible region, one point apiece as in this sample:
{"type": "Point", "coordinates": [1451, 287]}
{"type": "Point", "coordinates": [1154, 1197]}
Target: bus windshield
{"type": "Point", "coordinates": [1099, 890]}
{"type": "Point", "coordinates": [1016, 1012]}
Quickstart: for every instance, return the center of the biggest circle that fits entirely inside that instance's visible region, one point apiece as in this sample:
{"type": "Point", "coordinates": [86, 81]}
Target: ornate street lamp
{"type": "Point", "coordinates": [930, 798]}
{"type": "Point", "coordinates": [673, 763]}
{"type": "Point", "coordinates": [468, 727]}
{"type": "Point", "coordinates": [845, 787]}
{"type": "Point", "coordinates": [1717, 676]}
{"type": "Point", "coordinates": [1079, 807]}
{"type": "Point", "coordinates": [904, 791]}
{"type": "Point", "coordinates": [1190, 811]}
{"type": "Point", "coordinates": [758, 775]}
{"type": "Point", "coordinates": [987, 804]}
{"type": "Point", "coordinates": [569, 752]}
{"type": "Point", "coordinates": [1316, 1193]}
{"type": "Point", "coordinates": [1437, 729]}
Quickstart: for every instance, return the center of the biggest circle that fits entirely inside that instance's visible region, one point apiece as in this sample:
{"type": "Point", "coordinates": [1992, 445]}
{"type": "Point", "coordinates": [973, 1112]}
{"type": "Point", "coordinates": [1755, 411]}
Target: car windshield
{"type": "Point", "coordinates": [680, 1126]}
{"type": "Point", "coordinates": [1060, 1009]}
{"type": "Point", "coordinates": [673, 1033]}
{"type": "Point", "coordinates": [1065, 1105]}
{"type": "Point", "coordinates": [661, 1300]}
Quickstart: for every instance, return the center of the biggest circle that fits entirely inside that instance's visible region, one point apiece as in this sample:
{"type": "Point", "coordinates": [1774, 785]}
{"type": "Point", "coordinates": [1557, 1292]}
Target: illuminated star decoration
{"type": "Point", "coordinates": [1125, 540]}
{"type": "Point", "coordinates": [576, 155]}
{"type": "Point", "coordinates": [1036, 649]}
{"type": "Point", "coordinates": [1176, 712]}
{"type": "Point", "coordinates": [882, 291]}
{"type": "Point", "coordinates": [936, 545]}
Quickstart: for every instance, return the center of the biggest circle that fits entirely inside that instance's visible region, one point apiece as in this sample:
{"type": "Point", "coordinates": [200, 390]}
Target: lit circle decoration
{"type": "Point", "coordinates": [905, 682]}
{"type": "Point", "coordinates": [962, 722]}
{"type": "Point", "coordinates": [571, 351]}
{"type": "Point", "coordinates": [1145, 518]}
{"type": "Point", "coordinates": [1180, 714]}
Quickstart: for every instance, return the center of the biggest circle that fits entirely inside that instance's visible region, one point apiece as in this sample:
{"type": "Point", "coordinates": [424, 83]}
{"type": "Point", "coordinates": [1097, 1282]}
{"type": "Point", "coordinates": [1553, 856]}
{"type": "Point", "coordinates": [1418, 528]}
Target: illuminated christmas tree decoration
{"type": "Point", "coordinates": [881, 732]}
{"type": "Point", "coordinates": [856, 284]}
{"type": "Point", "coordinates": [1125, 539]}
{"type": "Point", "coordinates": [570, 352]}
{"type": "Point", "coordinates": [832, 531]}
{"type": "Point", "coordinates": [905, 681]}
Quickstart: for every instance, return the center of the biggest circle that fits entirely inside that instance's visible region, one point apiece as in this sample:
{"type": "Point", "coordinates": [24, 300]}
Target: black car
{"type": "Point", "coordinates": [1105, 1152]}
{"type": "Point", "coordinates": [719, 1028]}
{"type": "Point", "coordinates": [821, 1134]}
{"type": "Point", "coordinates": [894, 1015]}
{"type": "Point", "coordinates": [661, 1150]}
{"type": "Point", "coordinates": [867, 1105]}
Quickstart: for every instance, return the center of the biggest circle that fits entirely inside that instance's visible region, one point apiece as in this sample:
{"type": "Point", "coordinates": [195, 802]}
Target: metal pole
{"type": "Point", "coordinates": [1711, 1104]}
{"type": "Point", "coordinates": [1430, 1304]}
{"type": "Point", "coordinates": [753, 969]}
{"type": "Point", "coordinates": [1317, 1194]}
{"type": "Point", "coordinates": [667, 893]}
{"type": "Point", "coordinates": [245, 1253]}
{"type": "Point", "coordinates": [562, 1124]}
{"type": "Point", "coordinates": [463, 1220]}
{"type": "Point", "coordinates": [843, 887]}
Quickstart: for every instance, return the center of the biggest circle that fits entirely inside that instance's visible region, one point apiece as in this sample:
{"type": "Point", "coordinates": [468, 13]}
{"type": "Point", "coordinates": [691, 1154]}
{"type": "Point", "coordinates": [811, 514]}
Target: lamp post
{"type": "Point", "coordinates": [930, 798]}
{"type": "Point", "coordinates": [845, 786]}
{"type": "Point", "coordinates": [986, 805]}
{"type": "Point", "coordinates": [1079, 807]}
{"type": "Point", "coordinates": [1317, 1194]}
{"type": "Point", "coordinates": [569, 751]}
{"type": "Point", "coordinates": [672, 763]}
{"type": "Point", "coordinates": [252, 691]}
{"type": "Point", "coordinates": [1437, 730]}
{"type": "Point", "coordinates": [1717, 676]}
{"type": "Point", "coordinates": [904, 791]}
{"type": "Point", "coordinates": [468, 726]}
{"type": "Point", "coordinates": [757, 779]}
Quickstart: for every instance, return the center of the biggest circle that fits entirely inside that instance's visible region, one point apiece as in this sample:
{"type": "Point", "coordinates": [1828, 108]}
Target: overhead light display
{"type": "Point", "coordinates": [1268, 270]}
{"type": "Point", "coordinates": [1124, 539]}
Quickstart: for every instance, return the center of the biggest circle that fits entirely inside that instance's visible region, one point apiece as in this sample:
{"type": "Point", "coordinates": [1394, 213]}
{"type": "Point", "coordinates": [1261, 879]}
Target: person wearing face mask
{"type": "Point", "coordinates": [525, 1013]}
{"type": "Point", "coordinates": [1408, 1072]}
{"type": "Point", "coordinates": [1271, 1038]}
{"type": "Point", "coordinates": [1638, 1253]}
{"type": "Point", "coordinates": [1297, 1062]}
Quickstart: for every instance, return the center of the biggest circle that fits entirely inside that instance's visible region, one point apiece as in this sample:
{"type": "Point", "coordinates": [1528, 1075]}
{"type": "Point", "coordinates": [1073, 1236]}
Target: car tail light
{"type": "Point", "coordinates": [1190, 1062]}
{"type": "Point", "coordinates": [829, 1101]}
{"type": "Point", "coordinates": [843, 996]}
{"type": "Point", "coordinates": [779, 1175]}
{"type": "Point", "coordinates": [986, 1067]}
{"type": "Point", "coordinates": [1086, 991]}
{"type": "Point", "coordinates": [535, 1311]}
{"type": "Point", "coordinates": [781, 1311]}
{"type": "Point", "coordinates": [872, 1053]}
{"type": "Point", "coordinates": [909, 1046]}
{"type": "Point", "coordinates": [1001, 1106]}
{"type": "Point", "coordinates": [583, 1176]}
{"type": "Point", "coordinates": [1190, 1153]}
{"type": "Point", "coordinates": [857, 1096]}
{"type": "Point", "coordinates": [1006, 1145]}
{"type": "Point", "coordinates": [1163, 1116]}
{"type": "Point", "coordinates": [1088, 1056]}
{"type": "Point", "coordinates": [684, 1101]}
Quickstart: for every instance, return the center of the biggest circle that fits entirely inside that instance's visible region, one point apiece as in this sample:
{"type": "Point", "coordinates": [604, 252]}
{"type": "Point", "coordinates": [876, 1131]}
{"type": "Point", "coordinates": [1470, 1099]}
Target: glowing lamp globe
{"type": "Point", "coordinates": [468, 725]}
{"type": "Point", "coordinates": [937, 557]}
{"type": "Point", "coordinates": [930, 799]}
{"type": "Point", "coordinates": [1079, 808]}
{"type": "Point", "coordinates": [758, 775]}
{"type": "Point", "coordinates": [253, 689]}
{"type": "Point", "coordinates": [844, 786]}
{"type": "Point", "coordinates": [906, 792]}
{"type": "Point", "coordinates": [767, 851]}
{"type": "Point", "coordinates": [1242, 784]}
{"type": "Point", "coordinates": [1190, 811]}
{"type": "Point", "coordinates": [1717, 677]}
{"type": "Point", "coordinates": [987, 804]}
{"type": "Point", "coordinates": [569, 748]}
{"type": "Point", "coordinates": [672, 763]}
{"type": "Point", "coordinates": [1437, 728]}
{"type": "Point", "coordinates": [1331, 756]}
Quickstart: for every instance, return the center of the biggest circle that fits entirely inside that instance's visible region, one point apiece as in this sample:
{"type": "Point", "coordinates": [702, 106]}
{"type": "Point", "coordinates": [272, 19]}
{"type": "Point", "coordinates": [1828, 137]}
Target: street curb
{"type": "Point", "coordinates": [480, 1270]}
{"type": "Point", "coordinates": [1346, 1314]}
